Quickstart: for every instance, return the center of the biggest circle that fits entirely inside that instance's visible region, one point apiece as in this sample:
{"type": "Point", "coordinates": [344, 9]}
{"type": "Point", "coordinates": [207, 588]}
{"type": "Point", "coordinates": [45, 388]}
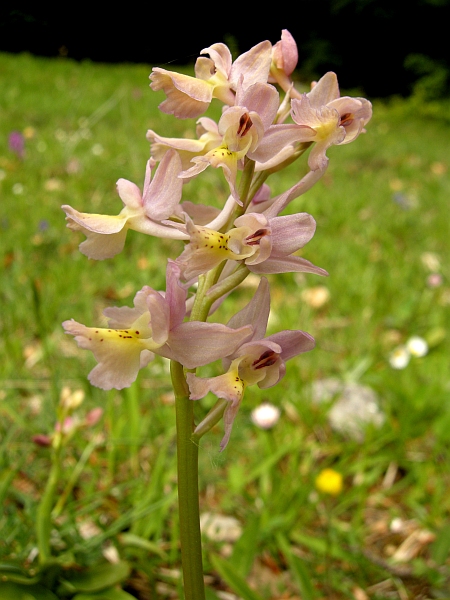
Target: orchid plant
{"type": "Point", "coordinates": [266, 124]}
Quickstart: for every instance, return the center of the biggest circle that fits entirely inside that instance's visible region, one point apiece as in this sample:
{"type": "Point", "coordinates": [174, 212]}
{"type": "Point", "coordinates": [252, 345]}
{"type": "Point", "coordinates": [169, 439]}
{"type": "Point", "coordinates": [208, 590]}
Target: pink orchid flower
{"type": "Point", "coordinates": [320, 116]}
{"type": "Point", "coordinates": [215, 77]}
{"type": "Point", "coordinates": [142, 212]}
{"type": "Point", "coordinates": [154, 325]}
{"type": "Point", "coordinates": [258, 361]}
{"type": "Point", "coordinates": [265, 245]}
{"type": "Point", "coordinates": [208, 138]}
{"type": "Point", "coordinates": [225, 145]}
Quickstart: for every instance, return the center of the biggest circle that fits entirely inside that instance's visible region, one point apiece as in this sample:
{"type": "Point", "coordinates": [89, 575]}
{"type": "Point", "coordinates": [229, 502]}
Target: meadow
{"type": "Point", "coordinates": [383, 234]}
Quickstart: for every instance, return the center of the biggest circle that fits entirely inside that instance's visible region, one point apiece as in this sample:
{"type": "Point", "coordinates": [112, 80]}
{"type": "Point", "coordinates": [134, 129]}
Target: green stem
{"type": "Point", "coordinates": [188, 500]}
{"type": "Point", "coordinates": [44, 512]}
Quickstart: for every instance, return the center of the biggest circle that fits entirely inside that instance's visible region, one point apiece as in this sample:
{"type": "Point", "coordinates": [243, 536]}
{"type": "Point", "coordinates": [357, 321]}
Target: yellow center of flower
{"type": "Point", "coordinates": [235, 383]}
{"type": "Point", "coordinates": [328, 123]}
{"type": "Point", "coordinates": [139, 333]}
{"type": "Point", "coordinates": [223, 245]}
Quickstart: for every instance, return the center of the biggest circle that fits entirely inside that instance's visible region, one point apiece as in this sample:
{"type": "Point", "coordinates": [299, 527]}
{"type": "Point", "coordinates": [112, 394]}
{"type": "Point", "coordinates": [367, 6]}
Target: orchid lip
{"type": "Point", "coordinates": [267, 359]}
{"type": "Point", "coordinates": [255, 238]}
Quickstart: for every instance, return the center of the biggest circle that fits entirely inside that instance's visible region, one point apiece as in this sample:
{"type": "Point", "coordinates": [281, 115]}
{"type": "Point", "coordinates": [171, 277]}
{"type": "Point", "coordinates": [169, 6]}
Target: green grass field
{"type": "Point", "coordinates": [383, 234]}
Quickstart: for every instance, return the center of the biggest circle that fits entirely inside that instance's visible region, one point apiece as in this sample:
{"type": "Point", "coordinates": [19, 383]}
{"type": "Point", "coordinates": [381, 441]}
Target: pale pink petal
{"type": "Point", "coordinates": [255, 313]}
{"type": "Point", "coordinates": [261, 98]}
{"type": "Point", "coordinates": [221, 57]}
{"type": "Point", "coordinates": [286, 264]}
{"type": "Point", "coordinates": [253, 65]}
{"type": "Point", "coordinates": [129, 194]}
{"type": "Point", "coordinates": [279, 137]}
{"type": "Point", "coordinates": [159, 317]}
{"type": "Point", "coordinates": [164, 192]}
{"type": "Point", "coordinates": [162, 144]}
{"type": "Point", "coordinates": [105, 224]}
{"type": "Point", "coordinates": [187, 97]}
{"type": "Point", "coordinates": [289, 52]}
{"type": "Point", "coordinates": [195, 343]}
{"type": "Point", "coordinates": [117, 353]}
{"type": "Point", "coordinates": [292, 342]}
{"type": "Point", "coordinates": [99, 246]}
{"type": "Point", "coordinates": [325, 90]}
{"type": "Point", "coordinates": [175, 294]}
{"type": "Point", "coordinates": [280, 202]}
{"type": "Point", "coordinates": [291, 232]}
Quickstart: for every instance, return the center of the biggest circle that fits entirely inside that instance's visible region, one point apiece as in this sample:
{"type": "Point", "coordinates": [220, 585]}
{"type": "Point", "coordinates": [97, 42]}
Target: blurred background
{"type": "Point", "coordinates": [344, 495]}
{"type": "Point", "coordinates": [378, 46]}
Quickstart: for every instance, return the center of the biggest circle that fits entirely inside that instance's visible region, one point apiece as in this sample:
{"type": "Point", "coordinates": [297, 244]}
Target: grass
{"type": "Point", "coordinates": [382, 230]}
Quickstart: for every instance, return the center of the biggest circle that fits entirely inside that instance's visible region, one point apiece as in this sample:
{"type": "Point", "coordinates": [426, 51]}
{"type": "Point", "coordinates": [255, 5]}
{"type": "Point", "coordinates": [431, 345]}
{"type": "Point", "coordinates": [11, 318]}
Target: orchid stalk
{"type": "Point", "coordinates": [265, 125]}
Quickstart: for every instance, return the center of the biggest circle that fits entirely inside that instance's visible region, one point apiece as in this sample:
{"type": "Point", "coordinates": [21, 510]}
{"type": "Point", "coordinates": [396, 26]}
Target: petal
{"type": "Point", "coordinates": [222, 218]}
{"type": "Point", "coordinates": [289, 52]}
{"type": "Point", "coordinates": [124, 316]}
{"type": "Point", "coordinates": [291, 232]}
{"type": "Point", "coordinates": [228, 386]}
{"type": "Point", "coordinates": [161, 144]}
{"type": "Point", "coordinates": [105, 224]}
{"type": "Point", "coordinates": [175, 294]}
{"type": "Point", "coordinates": [255, 313]}
{"type": "Point", "coordinates": [325, 90]}
{"type": "Point", "coordinates": [280, 202]}
{"type": "Point", "coordinates": [221, 57]}
{"type": "Point", "coordinates": [195, 343]}
{"type": "Point", "coordinates": [118, 353]}
{"type": "Point", "coordinates": [253, 65]}
{"type": "Point", "coordinates": [261, 98]}
{"type": "Point", "coordinates": [279, 137]}
{"type": "Point", "coordinates": [286, 264]}
{"type": "Point", "coordinates": [187, 97]}
{"type": "Point", "coordinates": [164, 192]}
{"type": "Point", "coordinates": [105, 234]}
{"type": "Point", "coordinates": [292, 342]}
{"type": "Point", "coordinates": [129, 194]}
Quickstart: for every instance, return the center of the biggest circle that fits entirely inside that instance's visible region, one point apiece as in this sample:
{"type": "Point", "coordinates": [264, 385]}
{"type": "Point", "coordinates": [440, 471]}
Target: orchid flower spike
{"type": "Point", "coordinates": [142, 212]}
{"type": "Point", "coordinates": [258, 361]}
{"type": "Point", "coordinates": [154, 325]}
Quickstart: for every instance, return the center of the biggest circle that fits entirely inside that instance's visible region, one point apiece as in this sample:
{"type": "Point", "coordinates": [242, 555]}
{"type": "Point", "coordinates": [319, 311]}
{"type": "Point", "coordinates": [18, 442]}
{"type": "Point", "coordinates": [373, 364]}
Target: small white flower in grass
{"type": "Point", "coordinates": [18, 189]}
{"type": "Point", "coordinates": [97, 150]}
{"type": "Point", "coordinates": [265, 415]}
{"type": "Point", "coordinates": [399, 358]}
{"type": "Point", "coordinates": [417, 346]}
{"type": "Point", "coordinates": [431, 261]}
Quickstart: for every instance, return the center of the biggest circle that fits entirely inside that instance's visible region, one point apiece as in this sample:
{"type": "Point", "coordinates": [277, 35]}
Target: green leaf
{"type": "Point", "coordinates": [15, 591]}
{"type": "Point", "coordinates": [210, 594]}
{"type": "Point", "coordinates": [321, 547]}
{"type": "Point", "coordinates": [298, 569]}
{"type": "Point", "coordinates": [14, 573]}
{"type": "Point", "coordinates": [233, 579]}
{"type": "Point", "coordinates": [440, 548]}
{"type": "Point", "coordinates": [95, 579]}
{"type": "Point", "coordinates": [136, 541]}
{"type": "Point", "coordinates": [246, 547]}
